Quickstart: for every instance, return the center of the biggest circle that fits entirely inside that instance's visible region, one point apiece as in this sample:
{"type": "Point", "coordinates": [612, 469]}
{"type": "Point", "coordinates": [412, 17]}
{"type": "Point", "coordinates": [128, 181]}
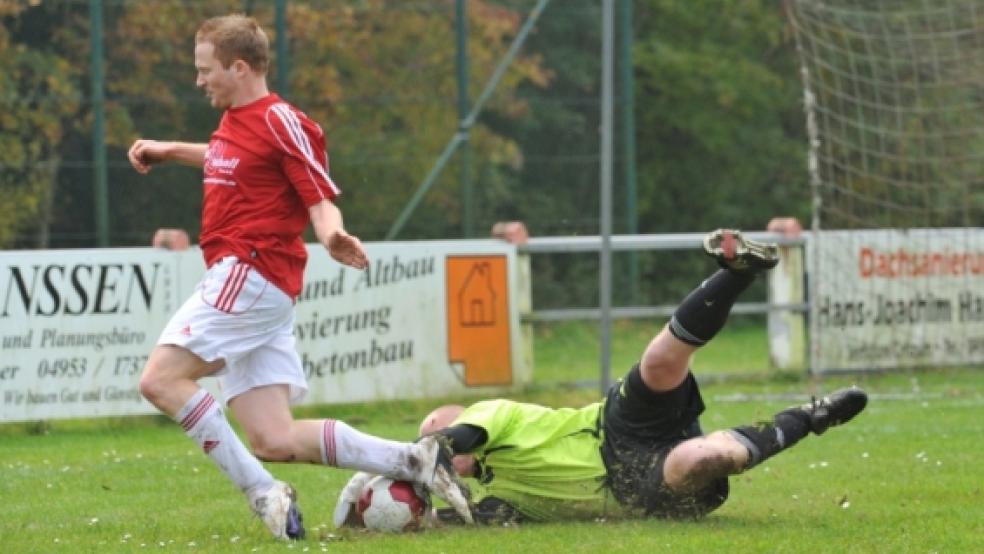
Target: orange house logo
{"type": "Point", "coordinates": [476, 299]}
{"type": "Point", "coordinates": [478, 318]}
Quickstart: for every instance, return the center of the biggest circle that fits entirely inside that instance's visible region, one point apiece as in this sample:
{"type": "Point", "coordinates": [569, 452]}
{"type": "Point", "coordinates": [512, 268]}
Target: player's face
{"type": "Point", "coordinates": [219, 83]}
{"type": "Point", "coordinates": [464, 465]}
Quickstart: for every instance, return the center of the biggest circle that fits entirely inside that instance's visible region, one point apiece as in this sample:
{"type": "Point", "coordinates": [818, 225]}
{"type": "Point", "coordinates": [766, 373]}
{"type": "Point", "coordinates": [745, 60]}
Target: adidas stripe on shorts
{"type": "Point", "coordinates": [235, 314]}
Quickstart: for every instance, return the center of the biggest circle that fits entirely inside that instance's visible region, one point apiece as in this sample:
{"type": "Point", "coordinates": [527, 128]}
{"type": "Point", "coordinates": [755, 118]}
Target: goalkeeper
{"type": "Point", "coordinates": [641, 451]}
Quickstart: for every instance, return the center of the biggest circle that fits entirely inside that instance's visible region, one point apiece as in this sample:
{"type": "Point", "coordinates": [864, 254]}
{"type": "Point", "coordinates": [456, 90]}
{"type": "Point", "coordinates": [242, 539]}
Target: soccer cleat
{"type": "Point", "coordinates": [735, 252]}
{"type": "Point", "coordinates": [430, 465]}
{"type": "Point", "coordinates": [835, 409]}
{"type": "Point", "coordinates": [279, 511]}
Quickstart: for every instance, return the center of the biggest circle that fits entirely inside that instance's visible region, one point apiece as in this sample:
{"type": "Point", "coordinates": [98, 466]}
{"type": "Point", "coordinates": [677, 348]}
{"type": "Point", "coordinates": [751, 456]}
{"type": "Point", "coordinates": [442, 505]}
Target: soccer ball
{"type": "Point", "coordinates": [391, 506]}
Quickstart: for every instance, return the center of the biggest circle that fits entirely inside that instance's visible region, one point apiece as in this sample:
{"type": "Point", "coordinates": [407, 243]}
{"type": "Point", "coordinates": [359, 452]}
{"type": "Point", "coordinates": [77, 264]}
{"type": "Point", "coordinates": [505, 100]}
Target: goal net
{"type": "Point", "coordinates": [894, 99]}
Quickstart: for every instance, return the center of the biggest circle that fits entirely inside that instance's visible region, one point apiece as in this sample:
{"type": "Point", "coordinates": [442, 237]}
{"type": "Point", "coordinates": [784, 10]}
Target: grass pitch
{"type": "Point", "coordinates": [905, 476]}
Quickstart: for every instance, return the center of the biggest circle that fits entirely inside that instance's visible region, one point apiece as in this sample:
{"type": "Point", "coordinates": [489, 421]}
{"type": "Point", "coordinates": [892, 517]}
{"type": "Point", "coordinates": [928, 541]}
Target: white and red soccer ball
{"type": "Point", "coordinates": [391, 506]}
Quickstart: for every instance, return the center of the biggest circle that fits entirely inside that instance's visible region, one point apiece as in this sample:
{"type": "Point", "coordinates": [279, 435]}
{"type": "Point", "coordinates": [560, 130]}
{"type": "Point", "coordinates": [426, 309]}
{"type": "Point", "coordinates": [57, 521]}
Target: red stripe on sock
{"type": "Point", "coordinates": [329, 438]}
{"type": "Point", "coordinates": [196, 414]}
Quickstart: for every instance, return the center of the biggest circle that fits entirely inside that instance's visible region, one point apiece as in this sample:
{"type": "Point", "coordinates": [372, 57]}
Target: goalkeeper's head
{"type": "Point", "coordinates": [442, 418]}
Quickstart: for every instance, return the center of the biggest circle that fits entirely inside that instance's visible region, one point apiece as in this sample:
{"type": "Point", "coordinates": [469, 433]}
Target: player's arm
{"type": "Point", "coordinates": [144, 153]}
{"type": "Point", "coordinates": [328, 227]}
{"type": "Point", "coordinates": [305, 164]}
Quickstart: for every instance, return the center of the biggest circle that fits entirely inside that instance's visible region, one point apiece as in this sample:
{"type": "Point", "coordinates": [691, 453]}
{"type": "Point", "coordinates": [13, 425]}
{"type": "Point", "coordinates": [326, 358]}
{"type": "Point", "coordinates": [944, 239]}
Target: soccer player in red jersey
{"type": "Point", "coordinates": [265, 177]}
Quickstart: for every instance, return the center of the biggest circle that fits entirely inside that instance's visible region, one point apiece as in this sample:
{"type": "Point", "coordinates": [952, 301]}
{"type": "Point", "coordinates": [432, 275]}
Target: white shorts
{"type": "Point", "coordinates": [238, 316]}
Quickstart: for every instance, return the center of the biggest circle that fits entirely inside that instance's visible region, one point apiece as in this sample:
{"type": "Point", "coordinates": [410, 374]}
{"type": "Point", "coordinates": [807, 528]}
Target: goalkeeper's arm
{"type": "Point", "coordinates": [464, 438]}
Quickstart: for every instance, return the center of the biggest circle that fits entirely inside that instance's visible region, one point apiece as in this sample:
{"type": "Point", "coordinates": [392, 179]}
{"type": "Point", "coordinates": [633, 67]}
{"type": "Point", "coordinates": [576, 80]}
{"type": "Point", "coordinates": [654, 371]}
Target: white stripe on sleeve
{"type": "Point", "coordinates": [301, 144]}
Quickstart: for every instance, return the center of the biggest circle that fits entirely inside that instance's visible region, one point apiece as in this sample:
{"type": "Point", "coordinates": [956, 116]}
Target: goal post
{"type": "Point", "coordinates": [894, 100]}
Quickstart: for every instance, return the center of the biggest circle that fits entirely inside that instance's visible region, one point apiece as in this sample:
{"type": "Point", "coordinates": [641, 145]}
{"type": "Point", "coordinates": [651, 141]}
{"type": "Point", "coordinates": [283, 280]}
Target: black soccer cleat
{"type": "Point", "coordinates": [736, 253]}
{"type": "Point", "coordinates": [835, 409]}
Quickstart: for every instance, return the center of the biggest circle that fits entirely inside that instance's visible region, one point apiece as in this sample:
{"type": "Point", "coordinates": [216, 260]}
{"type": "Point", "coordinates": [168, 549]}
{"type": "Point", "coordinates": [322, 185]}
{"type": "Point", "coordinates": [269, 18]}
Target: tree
{"type": "Point", "coordinates": [719, 130]}
{"type": "Point", "coordinates": [721, 138]}
{"type": "Point", "coordinates": [382, 78]}
{"type": "Point", "coordinates": [39, 100]}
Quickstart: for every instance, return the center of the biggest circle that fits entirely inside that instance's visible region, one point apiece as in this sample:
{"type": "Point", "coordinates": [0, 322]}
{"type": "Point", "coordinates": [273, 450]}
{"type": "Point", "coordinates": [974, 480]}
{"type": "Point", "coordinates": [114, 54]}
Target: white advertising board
{"type": "Point", "coordinates": [897, 299]}
{"type": "Point", "coordinates": [426, 319]}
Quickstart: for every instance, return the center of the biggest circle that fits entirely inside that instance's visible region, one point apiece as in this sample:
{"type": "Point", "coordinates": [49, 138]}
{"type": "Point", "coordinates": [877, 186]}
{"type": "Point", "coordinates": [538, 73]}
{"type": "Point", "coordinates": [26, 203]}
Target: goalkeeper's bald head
{"type": "Point", "coordinates": [440, 418]}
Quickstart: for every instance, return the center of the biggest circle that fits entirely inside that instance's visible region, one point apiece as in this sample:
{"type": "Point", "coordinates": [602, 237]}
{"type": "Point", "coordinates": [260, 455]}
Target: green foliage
{"type": "Point", "coordinates": [717, 110]}
{"type": "Point", "coordinates": [40, 99]}
{"type": "Point", "coordinates": [555, 190]}
{"type": "Point", "coordinates": [381, 78]}
{"type": "Point", "coordinates": [720, 133]}
{"type": "Point", "coordinates": [378, 75]}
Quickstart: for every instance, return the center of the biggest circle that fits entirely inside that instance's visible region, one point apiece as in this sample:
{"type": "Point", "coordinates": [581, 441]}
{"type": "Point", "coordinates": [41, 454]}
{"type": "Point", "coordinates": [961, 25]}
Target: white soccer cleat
{"type": "Point", "coordinates": [278, 510]}
{"type": "Point", "coordinates": [429, 464]}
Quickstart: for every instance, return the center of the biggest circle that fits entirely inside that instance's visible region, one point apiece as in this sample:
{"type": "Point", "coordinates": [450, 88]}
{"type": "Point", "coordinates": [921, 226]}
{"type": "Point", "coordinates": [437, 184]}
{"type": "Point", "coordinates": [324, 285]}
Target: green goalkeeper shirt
{"type": "Point", "coordinates": [544, 462]}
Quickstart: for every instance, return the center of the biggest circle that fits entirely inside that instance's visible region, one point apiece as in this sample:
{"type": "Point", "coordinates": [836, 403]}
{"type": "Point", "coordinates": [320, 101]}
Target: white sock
{"type": "Point", "coordinates": [203, 421]}
{"type": "Point", "coordinates": [344, 447]}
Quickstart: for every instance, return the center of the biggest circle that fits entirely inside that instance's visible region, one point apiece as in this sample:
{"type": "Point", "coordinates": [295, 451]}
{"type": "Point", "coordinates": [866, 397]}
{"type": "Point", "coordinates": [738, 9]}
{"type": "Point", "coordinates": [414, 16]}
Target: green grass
{"type": "Point", "coordinates": [570, 351]}
{"type": "Point", "coordinates": [904, 477]}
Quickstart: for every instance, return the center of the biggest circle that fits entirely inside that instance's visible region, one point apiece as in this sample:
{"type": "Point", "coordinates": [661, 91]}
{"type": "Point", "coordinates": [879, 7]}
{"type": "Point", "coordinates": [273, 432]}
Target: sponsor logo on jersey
{"type": "Point", "coordinates": [219, 165]}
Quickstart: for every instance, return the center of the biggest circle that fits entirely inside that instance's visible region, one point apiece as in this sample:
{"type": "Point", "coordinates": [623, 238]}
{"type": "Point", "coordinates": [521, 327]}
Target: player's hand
{"type": "Point", "coordinates": [144, 153]}
{"type": "Point", "coordinates": [347, 249]}
{"type": "Point", "coordinates": [345, 514]}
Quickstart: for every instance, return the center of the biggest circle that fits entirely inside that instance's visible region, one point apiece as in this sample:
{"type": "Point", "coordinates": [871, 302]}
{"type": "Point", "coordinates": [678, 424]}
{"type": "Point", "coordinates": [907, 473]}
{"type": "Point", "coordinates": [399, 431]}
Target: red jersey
{"type": "Point", "coordinates": [265, 165]}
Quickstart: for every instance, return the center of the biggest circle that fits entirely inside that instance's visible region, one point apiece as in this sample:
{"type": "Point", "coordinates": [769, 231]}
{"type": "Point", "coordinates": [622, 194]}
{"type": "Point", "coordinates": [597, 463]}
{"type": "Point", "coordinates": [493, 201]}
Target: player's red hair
{"type": "Point", "coordinates": [236, 37]}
